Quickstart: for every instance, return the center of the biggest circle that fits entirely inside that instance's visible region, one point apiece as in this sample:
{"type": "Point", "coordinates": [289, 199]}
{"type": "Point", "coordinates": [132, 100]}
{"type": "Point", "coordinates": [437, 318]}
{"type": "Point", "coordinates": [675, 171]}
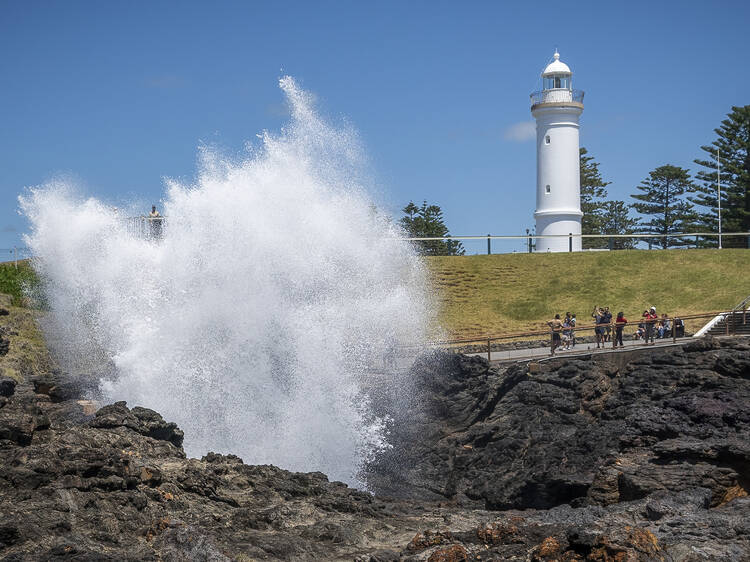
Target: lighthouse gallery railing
{"type": "Point", "coordinates": [557, 95]}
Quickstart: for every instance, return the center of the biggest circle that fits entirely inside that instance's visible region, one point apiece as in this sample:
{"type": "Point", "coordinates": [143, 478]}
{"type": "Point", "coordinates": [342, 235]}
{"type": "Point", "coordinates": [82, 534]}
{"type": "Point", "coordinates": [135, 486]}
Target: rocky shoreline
{"type": "Point", "coordinates": [644, 458]}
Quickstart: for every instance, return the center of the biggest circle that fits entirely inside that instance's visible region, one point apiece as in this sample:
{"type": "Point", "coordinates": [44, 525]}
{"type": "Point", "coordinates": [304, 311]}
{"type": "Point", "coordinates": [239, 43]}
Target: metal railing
{"type": "Point", "coordinates": [656, 241]}
{"type": "Point", "coordinates": [731, 318]}
{"type": "Point", "coordinates": [557, 95]}
{"type": "Point", "coordinates": [13, 255]}
{"type": "Point", "coordinates": [146, 227]}
{"type": "Point", "coordinates": [548, 333]}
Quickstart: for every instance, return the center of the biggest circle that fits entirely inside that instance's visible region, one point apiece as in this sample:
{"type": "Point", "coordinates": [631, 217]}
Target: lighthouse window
{"type": "Point", "coordinates": [556, 82]}
{"type": "Point", "coordinates": [546, 139]}
{"type": "Point", "coordinates": [546, 188]}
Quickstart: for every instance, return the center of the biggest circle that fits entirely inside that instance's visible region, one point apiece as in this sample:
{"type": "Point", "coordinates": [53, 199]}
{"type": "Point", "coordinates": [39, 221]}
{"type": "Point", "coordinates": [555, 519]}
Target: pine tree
{"type": "Point", "coordinates": [661, 198]}
{"type": "Point", "coordinates": [427, 222]}
{"type": "Point", "coordinates": [599, 215]}
{"type": "Point", "coordinates": [733, 144]}
{"type": "Point", "coordinates": [616, 219]}
{"type": "Point", "coordinates": [593, 193]}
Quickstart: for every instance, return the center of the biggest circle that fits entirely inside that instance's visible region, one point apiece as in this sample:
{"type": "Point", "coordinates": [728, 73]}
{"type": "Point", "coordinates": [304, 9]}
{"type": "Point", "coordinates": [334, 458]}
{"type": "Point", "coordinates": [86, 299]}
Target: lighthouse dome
{"type": "Point", "coordinates": [556, 67]}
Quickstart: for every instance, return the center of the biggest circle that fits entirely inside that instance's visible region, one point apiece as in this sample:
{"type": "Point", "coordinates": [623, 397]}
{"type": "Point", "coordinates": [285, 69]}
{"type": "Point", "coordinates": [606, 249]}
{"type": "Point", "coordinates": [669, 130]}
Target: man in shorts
{"type": "Point", "coordinates": [557, 327]}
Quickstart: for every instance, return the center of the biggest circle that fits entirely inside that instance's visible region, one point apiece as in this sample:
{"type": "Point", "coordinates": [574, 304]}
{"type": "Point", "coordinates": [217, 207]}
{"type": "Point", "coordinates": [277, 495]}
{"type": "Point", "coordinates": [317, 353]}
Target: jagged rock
{"type": "Point", "coordinates": [646, 459]}
{"type": "Point", "coordinates": [61, 387]}
{"type": "Point", "coordinates": [578, 431]}
{"type": "Point", "coordinates": [4, 346]}
{"type": "Point", "coordinates": [7, 386]}
{"type": "Point", "coordinates": [141, 420]}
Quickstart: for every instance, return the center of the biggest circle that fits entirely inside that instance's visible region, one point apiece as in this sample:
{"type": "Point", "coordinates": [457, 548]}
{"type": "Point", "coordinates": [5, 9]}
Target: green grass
{"type": "Point", "coordinates": [505, 293]}
{"type": "Point", "coordinates": [14, 281]}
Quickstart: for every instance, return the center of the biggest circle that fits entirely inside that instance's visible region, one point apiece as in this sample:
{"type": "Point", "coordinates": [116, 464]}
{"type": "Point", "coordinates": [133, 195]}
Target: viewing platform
{"type": "Point", "coordinates": [558, 97]}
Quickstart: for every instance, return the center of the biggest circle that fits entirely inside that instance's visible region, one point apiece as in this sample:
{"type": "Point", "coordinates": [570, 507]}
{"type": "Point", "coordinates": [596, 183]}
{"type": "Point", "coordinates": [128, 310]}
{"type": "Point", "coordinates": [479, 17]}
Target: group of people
{"type": "Point", "coordinates": [651, 326]}
{"type": "Point", "coordinates": [563, 331]}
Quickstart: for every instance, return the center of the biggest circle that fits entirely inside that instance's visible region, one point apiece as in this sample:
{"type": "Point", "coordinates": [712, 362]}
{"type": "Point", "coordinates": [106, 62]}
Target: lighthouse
{"type": "Point", "coordinates": [556, 109]}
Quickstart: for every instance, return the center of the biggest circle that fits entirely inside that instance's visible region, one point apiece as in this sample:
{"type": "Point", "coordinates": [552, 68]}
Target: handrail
{"type": "Point", "coordinates": [556, 95]}
{"type": "Point", "coordinates": [488, 339]}
{"type": "Point", "coordinates": [545, 332]}
{"type": "Point", "coordinates": [535, 236]}
{"type": "Point", "coordinates": [743, 305]}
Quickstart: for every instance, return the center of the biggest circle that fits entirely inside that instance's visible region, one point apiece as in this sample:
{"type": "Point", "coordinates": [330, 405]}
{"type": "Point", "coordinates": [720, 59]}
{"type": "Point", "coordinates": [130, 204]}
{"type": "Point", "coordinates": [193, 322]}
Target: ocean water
{"type": "Point", "coordinates": [256, 321]}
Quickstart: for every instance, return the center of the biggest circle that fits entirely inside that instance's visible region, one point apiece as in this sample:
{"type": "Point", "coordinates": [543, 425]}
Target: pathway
{"type": "Point", "coordinates": [579, 349]}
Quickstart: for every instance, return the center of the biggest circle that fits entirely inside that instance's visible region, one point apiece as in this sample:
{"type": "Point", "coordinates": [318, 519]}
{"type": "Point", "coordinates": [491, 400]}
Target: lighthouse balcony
{"type": "Point", "coordinates": [557, 96]}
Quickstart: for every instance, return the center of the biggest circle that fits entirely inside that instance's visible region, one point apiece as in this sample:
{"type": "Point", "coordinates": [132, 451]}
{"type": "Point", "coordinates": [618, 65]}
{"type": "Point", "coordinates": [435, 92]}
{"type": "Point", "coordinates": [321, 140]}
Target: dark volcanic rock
{"type": "Point", "coordinates": [642, 460]}
{"type": "Point", "coordinates": [7, 386]}
{"type": "Point", "coordinates": [141, 420]}
{"type": "Point", "coordinates": [576, 431]}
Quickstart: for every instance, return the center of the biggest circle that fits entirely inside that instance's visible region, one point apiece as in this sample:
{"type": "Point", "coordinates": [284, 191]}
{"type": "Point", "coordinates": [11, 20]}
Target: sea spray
{"type": "Point", "coordinates": [255, 320]}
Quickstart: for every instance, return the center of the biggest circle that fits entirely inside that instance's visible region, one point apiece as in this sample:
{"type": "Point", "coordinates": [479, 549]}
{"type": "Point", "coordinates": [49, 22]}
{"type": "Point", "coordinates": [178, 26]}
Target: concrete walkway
{"type": "Point", "coordinates": [580, 349]}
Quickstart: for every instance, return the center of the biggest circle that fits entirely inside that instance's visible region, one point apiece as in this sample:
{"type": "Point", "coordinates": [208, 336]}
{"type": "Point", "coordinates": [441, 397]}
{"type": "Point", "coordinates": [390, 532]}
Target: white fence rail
{"type": "Point", "coordinates": [153, 228]}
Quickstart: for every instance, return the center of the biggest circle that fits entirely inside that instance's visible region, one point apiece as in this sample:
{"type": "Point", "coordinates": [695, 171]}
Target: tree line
{"type": "Point", "coordinates": [669, 200]}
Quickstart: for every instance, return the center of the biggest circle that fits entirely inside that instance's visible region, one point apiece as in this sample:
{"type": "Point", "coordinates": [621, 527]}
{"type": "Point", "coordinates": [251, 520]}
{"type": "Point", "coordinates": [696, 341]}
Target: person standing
{"type": "Point", "coordinates": [649, 319]}
{"type": "Point", "coordinates": [598, 316]}
{"type": "Point", "coordinates": [567, 332]}
{"type": "Point", "coordinates": [556, 326]}
{"type": "Point", "coordinates": [619, 326]}
{"type": "Point", "coordinates": [154, 219]}
{"type": "Point", "coordinates": [608, 327]}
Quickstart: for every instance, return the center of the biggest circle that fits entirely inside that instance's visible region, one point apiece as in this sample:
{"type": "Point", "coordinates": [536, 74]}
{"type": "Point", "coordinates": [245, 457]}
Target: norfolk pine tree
{"type": "Point", "coordinates": [593, 193]}
{"type": "Point", "coordinates": [733, 143]}
{"type": "Point", "coordinates": [661, 198]}
{"type": "Point", "coordinates": [427, 222]}
{"type": "Point", "coordinates": [601, 216]}
{"type": "Point", "coordinates": [616, 220]}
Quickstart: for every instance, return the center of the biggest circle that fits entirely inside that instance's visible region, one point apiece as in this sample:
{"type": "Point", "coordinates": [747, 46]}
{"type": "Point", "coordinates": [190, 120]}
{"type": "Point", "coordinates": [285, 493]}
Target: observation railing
{"type": "Point", "coordinates": [557, 95]}
{"type": "Point", "coordinates": [735, 318]}
{"type": "Point", "coordinates": [547, 334]}
{"type": "Point", "coordinates": [146, 227]}
{"type": "Point", "coordinates": [676, 241]}
{"type": "Point", "coordinates": [14, 255]}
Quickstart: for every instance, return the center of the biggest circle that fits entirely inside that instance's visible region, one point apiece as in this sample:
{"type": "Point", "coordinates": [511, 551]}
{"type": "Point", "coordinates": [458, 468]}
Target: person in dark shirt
{"type": "Point", "coordinates": [619, 326]}
{"type": "Point", "coordinates": [607, 320]}
{"type": "Point", "coordinates": [679, 328]}
{"type": "Point", "coordinates": [556, 326]}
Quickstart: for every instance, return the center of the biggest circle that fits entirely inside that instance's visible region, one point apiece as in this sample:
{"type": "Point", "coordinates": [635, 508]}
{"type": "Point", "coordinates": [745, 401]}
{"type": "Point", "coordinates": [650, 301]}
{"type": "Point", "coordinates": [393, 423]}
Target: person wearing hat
{"type": "Point", "coordinates": [649, 319]}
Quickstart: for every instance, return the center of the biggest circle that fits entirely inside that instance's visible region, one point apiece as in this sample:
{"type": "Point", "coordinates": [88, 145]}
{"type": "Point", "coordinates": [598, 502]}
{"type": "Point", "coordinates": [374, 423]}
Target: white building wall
{"type": "Point", "coordinates": [558, 207]}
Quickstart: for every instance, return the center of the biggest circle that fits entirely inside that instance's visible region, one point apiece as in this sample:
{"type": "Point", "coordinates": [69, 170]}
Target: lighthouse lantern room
{"type": "Point", "coordinates": [556, 109]}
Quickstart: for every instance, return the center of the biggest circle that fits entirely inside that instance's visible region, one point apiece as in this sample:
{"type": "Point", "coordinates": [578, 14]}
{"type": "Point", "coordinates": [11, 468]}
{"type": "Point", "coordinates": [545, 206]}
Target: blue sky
{"type": "Point", "coordinates": [119, 95]}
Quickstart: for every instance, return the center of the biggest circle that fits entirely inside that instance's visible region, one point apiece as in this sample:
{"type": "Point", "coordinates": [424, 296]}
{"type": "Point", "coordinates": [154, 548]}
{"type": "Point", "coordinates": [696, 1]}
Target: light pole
{"type": "Point", "coordinates": [718, 191]}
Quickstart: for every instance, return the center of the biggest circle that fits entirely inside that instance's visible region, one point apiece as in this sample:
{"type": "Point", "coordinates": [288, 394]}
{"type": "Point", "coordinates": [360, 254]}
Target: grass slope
{"type": "Point", "coordinates": [504, 293]}
{"type": "Point", "coordinates": [13, 281]}
{"type": "Point", "coordinates": [28, 353]}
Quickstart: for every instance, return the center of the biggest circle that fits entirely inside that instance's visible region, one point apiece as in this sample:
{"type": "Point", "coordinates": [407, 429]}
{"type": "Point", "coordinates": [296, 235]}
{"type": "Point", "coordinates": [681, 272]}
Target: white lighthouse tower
{"type": "Point", "coordinates": [558, 185]}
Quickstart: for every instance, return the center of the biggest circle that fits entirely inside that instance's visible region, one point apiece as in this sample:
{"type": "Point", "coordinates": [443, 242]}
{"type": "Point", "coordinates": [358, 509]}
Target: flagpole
{"type": "Point", "coordinates": [718, 191]}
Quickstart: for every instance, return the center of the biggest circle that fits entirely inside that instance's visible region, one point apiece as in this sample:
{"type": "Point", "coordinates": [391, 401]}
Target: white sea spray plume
{"type": "Point", "coordinates": [255, 320]}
